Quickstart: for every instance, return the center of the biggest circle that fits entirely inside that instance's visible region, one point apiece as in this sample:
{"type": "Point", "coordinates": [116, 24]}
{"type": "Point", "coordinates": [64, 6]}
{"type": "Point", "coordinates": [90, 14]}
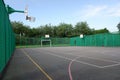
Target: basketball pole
{"type": "Point", "coordinates": [10, 10]}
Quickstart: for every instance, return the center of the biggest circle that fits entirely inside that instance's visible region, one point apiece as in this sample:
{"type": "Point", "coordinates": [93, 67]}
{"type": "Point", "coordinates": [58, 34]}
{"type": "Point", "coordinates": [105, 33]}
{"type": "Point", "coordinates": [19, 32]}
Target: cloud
{"type": "Point", "coordinates": [92, 11]}
{"type": "Point", "coordinates": [114, 11]}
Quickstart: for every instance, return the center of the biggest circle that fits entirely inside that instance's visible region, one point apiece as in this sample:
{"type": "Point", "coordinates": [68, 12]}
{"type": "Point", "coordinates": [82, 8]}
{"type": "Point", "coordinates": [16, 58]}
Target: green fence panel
{"type": "Point", "coordinates": [72, 41]}
{"type": "Point", "coordinates": [107, 39]}
{"type": "Point", "coordinates": [7, 38]}
{"type": "Point", "coordinates": [2, 36]}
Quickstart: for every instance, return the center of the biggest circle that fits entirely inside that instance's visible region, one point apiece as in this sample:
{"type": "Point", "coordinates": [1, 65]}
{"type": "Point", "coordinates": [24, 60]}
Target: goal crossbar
{"type": "Point", "coordinates": [45, 41]}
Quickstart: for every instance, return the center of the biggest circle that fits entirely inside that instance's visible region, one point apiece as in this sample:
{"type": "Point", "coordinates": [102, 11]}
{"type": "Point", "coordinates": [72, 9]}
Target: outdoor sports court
{"type": "Point", "coordinates": [65, 63]}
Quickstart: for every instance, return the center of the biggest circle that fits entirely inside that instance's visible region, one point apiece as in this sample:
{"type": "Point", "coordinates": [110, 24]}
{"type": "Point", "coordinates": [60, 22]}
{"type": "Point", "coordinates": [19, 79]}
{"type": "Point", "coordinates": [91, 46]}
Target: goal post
{"type": "Point", "coordinates": [46, 41]}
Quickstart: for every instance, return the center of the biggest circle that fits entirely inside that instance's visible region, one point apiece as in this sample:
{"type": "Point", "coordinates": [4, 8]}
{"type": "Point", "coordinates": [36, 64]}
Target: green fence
{"type": "Point", "coordinates": [22, 41]}
{"type": "Point", "coordinates": [7, 39]}
{"type": "Point", "coordinates": [109, 40]}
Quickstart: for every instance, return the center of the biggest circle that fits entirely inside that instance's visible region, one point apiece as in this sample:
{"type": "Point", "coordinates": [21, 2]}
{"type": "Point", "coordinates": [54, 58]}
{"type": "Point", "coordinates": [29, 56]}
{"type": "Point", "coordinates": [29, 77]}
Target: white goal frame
{"type": "Point", "coordinates": [46, 41]}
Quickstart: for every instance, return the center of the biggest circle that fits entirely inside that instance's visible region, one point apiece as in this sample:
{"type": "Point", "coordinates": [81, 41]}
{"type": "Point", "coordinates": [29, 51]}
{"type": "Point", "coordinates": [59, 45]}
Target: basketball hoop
{"type": "Point", "coordinates": [47, 36]}
{"type": "Point", "coordinates": [81, 36]}
{"type": "Point", "coordinates": [32, 19]}
{"type": "Point", "coordinates": [29, 18]}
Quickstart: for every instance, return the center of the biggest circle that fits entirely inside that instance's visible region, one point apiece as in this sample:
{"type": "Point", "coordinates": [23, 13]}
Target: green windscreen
{"type": "Point", "coordinates": [108, 40]}
{"type": "Point", "coordinates": [7, 38]}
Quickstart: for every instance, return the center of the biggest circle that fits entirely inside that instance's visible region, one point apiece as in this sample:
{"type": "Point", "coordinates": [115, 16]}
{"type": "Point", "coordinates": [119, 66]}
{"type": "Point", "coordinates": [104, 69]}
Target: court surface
{"type": "Point", "coordinates": [65, 63]}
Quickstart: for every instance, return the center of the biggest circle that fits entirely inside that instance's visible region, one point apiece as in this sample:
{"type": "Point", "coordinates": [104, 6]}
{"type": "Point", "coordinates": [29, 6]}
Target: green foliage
{"type": "Point", "coordinates": [64, 30]}
{"type": "Point", "coordinates": [20, 28]}
{"type": "Point", "coordinates": [105, 30]}
{"type": "Point", "coordinates": [118, 26]}
{"type": "Point", "coordinates": [61, 30]}
{"type": "Point", "coordinates": [82, 28]}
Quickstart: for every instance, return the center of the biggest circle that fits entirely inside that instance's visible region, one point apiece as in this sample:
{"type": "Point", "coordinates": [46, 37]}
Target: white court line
{"type": "Point", "coordinates": [103, 53]}
{"type": "Point", "coordinates": [72, 59]}
{"type": "Point", "coordinates": [93, 65]}
{"type": "Point", "coordinates": [99, 59]}
{"type": "Point", "coordinates": [110, 66]}
{"type": "Point", "coordinates": [84, 62]}
{"type": "Point", "coordinates": [94, 58]}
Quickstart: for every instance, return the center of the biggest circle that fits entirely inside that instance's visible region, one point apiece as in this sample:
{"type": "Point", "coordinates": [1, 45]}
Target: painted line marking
{"type": "Point", "coordinates": [72, 59]}
{"type": "Point", "coordinates": [110, 66]}
{"type": "Point", "coordinates": [94, 58]}
{"type": "Point", "coordinates": [38, 66]}
{"type": "Point", "coordinates": [69, 68]}
{"type": "Point", "coordinates": [97, 58]}
{"type": "Point", "coordinates": [116, 63]}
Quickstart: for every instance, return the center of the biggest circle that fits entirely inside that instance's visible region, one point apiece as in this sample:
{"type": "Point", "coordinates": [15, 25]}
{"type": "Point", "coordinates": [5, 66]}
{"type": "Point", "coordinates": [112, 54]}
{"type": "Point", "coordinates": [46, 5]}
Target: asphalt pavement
{"type": "Point", "coordinates": [65, 63]}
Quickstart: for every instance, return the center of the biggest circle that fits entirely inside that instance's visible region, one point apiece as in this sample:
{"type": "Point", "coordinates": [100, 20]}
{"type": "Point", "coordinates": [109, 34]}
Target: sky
{"type": "Point", "coordinates": [98, 14]}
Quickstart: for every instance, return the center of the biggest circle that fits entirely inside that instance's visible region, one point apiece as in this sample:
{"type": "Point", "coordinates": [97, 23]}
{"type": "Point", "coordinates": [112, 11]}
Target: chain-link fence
{"type": "Point", "coordinates": [22, 41]}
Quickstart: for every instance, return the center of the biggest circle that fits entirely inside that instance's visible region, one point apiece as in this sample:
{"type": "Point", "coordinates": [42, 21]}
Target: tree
{"type": "Point", "coordinates": [20, 28]}
{"type": "Point", "coordinates": [82, 28]}
{"type": "Point", "coordinates": [118, 26]}
{"type": "Point", "coordinates": [34, 32]}
{"type": "Point", "coordinates": [61, 30]}
{"type": "Point", "coordinates": [45, 29]}
{"type": "Point", "coordinates": [48, 29]}
{"type": "Point", "coordinates": [105, 30]}
{"type": "Point", "coordinates": [64, 30]}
